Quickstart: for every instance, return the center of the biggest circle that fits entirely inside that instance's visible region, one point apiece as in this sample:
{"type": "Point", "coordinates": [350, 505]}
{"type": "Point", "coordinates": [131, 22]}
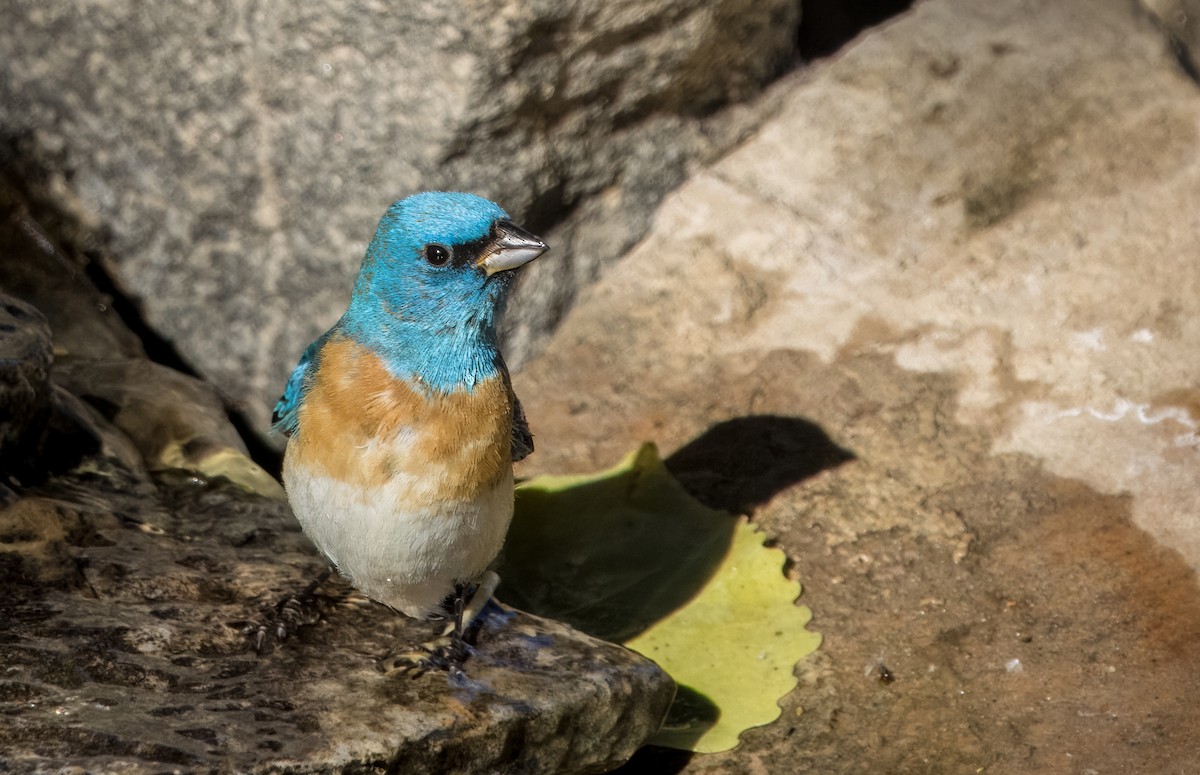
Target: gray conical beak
{"type": "Point", "coordinates": [511, 246]}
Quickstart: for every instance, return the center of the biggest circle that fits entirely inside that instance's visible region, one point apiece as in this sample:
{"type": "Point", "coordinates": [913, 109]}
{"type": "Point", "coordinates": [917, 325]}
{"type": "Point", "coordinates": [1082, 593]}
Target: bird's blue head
{"type": "Point", "coordinates": [432, 284]}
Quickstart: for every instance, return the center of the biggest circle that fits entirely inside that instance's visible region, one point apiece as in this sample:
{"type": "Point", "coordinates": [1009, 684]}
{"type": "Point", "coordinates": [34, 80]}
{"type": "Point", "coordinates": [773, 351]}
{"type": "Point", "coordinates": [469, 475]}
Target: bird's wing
{"type": "Point", "coordinates": [287, 408]}
{"type": "Point", "coordinates": [522, 438]}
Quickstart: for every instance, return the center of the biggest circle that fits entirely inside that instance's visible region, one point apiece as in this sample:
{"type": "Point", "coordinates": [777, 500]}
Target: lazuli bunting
{"type": "Point", "coordinates": [402, 423]}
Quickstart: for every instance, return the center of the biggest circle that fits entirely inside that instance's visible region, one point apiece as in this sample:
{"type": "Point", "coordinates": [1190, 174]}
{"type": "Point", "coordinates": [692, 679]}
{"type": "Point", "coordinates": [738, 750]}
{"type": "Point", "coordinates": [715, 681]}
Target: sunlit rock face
{"type": "Point", "coordinates": [231, 163]}
{"type": "Point", "coordinates": [966, 249]}
{"type": "Point", "coordinates": [1015, 207]}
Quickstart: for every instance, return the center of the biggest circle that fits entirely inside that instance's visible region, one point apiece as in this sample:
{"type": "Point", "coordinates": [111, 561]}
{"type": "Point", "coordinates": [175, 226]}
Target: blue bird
{"type": "Point", "coordinates": [401, 420]}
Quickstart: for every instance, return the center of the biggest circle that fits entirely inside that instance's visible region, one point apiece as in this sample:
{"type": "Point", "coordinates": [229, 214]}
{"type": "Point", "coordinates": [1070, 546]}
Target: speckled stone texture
{"type": "Point", "coordinates": [124, 648]}
{"type": "Point", "coordinates": [231, 160]}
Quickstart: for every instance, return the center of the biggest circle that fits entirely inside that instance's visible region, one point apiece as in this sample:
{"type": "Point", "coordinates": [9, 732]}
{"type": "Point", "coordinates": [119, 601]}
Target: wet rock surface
{"type": "Point", "coordinates": [942, 253]}
{"type": "Point", "coordinates": [126, 646]}
{"type": "Point", "coordinates": [136, 572]}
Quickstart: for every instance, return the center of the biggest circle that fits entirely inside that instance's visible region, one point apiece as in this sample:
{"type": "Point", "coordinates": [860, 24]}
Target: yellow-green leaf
{"type": "Point", "coordinates": [629, 556]}
{"type": "Point", "coordinates": [735, 643]}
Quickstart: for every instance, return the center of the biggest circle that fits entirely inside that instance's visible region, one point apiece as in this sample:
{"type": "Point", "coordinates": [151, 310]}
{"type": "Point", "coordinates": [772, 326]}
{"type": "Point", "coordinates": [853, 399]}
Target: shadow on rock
{"type": "Point", "coordinates": [740, 464]}
{"type": "Point", "coordinates": [614, 553]}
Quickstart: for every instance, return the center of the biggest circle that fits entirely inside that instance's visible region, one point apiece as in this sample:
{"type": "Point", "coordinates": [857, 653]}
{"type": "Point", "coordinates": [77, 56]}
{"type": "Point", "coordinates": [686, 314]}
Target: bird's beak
{"type": "Point", "coordinates": [511, 246]}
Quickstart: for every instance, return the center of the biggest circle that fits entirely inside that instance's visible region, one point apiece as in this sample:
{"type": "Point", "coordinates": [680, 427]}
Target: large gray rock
{"type": "Point", "coordinates": [234, 159]}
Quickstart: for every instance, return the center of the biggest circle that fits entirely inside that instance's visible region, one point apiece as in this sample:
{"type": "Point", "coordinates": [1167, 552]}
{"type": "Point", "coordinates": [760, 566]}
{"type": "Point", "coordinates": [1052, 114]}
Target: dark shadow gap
{"type": "Point", "coordinates": [1183, 56]}
{"type": "Point", "coordinates": [655, 760]}
{"type": "Point", "coordinates": [825, 27]}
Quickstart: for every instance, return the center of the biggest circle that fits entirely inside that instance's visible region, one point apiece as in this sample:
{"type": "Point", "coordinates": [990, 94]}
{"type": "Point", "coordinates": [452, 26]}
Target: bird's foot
{"type": "Point", "coordinates": [289, 614]}
{"type": "Point", "coordinates": [449, 651]}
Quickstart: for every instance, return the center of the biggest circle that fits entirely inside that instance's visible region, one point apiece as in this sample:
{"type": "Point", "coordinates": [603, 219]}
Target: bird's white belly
{"type": "Point", "coordinates": [399, 542]}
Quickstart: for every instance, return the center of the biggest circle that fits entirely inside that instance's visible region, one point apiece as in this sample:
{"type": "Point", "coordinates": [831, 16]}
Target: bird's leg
{"type": "Point", "coordinates": [450, 650]}
{"type": "Point", "coordinates": [290, 613]}
{"type": "Point", "coordinates": [467, 611]}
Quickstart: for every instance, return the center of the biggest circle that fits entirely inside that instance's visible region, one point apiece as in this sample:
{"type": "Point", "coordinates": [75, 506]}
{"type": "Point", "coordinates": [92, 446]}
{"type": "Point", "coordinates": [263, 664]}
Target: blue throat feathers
{"type": "Point", "coordinates": [444, 343]}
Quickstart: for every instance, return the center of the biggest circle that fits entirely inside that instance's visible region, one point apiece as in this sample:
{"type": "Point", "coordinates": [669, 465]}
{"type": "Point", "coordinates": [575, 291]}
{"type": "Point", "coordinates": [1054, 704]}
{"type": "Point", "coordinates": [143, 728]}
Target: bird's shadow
{"type": "Point", "coordinates": [740, 464]}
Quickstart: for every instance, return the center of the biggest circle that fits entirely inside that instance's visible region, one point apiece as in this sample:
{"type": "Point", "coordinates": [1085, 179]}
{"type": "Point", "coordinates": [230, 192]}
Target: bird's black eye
{"type": "Point", "coordinates": [437, 255]}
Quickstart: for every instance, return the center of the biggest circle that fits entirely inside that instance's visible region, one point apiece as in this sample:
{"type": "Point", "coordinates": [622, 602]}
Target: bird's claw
{"type": "Point", "coordinates": [284, 619]}
{"type": "Point", "coordinates": [288, 615]}
{"type": "Point", "coordinates": [447, 653]}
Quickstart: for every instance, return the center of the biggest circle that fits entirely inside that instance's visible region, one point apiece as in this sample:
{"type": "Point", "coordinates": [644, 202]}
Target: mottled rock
{"type": "Point", "coordinates": [175, 421]}
{"type": "Point", "coordinates": [126, 647]}
{"type": "Point", "coordinates": [234, 161]}
{"type": "Point", "coordinates": [35, 539]}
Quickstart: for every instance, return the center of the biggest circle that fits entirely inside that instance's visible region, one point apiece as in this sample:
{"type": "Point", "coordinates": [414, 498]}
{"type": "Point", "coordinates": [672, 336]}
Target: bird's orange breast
{"type": "Point", "coordinates": [360, 425]}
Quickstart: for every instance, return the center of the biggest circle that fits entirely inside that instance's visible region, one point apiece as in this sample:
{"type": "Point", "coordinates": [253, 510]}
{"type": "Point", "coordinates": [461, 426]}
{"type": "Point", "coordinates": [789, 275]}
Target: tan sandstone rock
{"type": "Point", "coordinates": [966, 250]}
